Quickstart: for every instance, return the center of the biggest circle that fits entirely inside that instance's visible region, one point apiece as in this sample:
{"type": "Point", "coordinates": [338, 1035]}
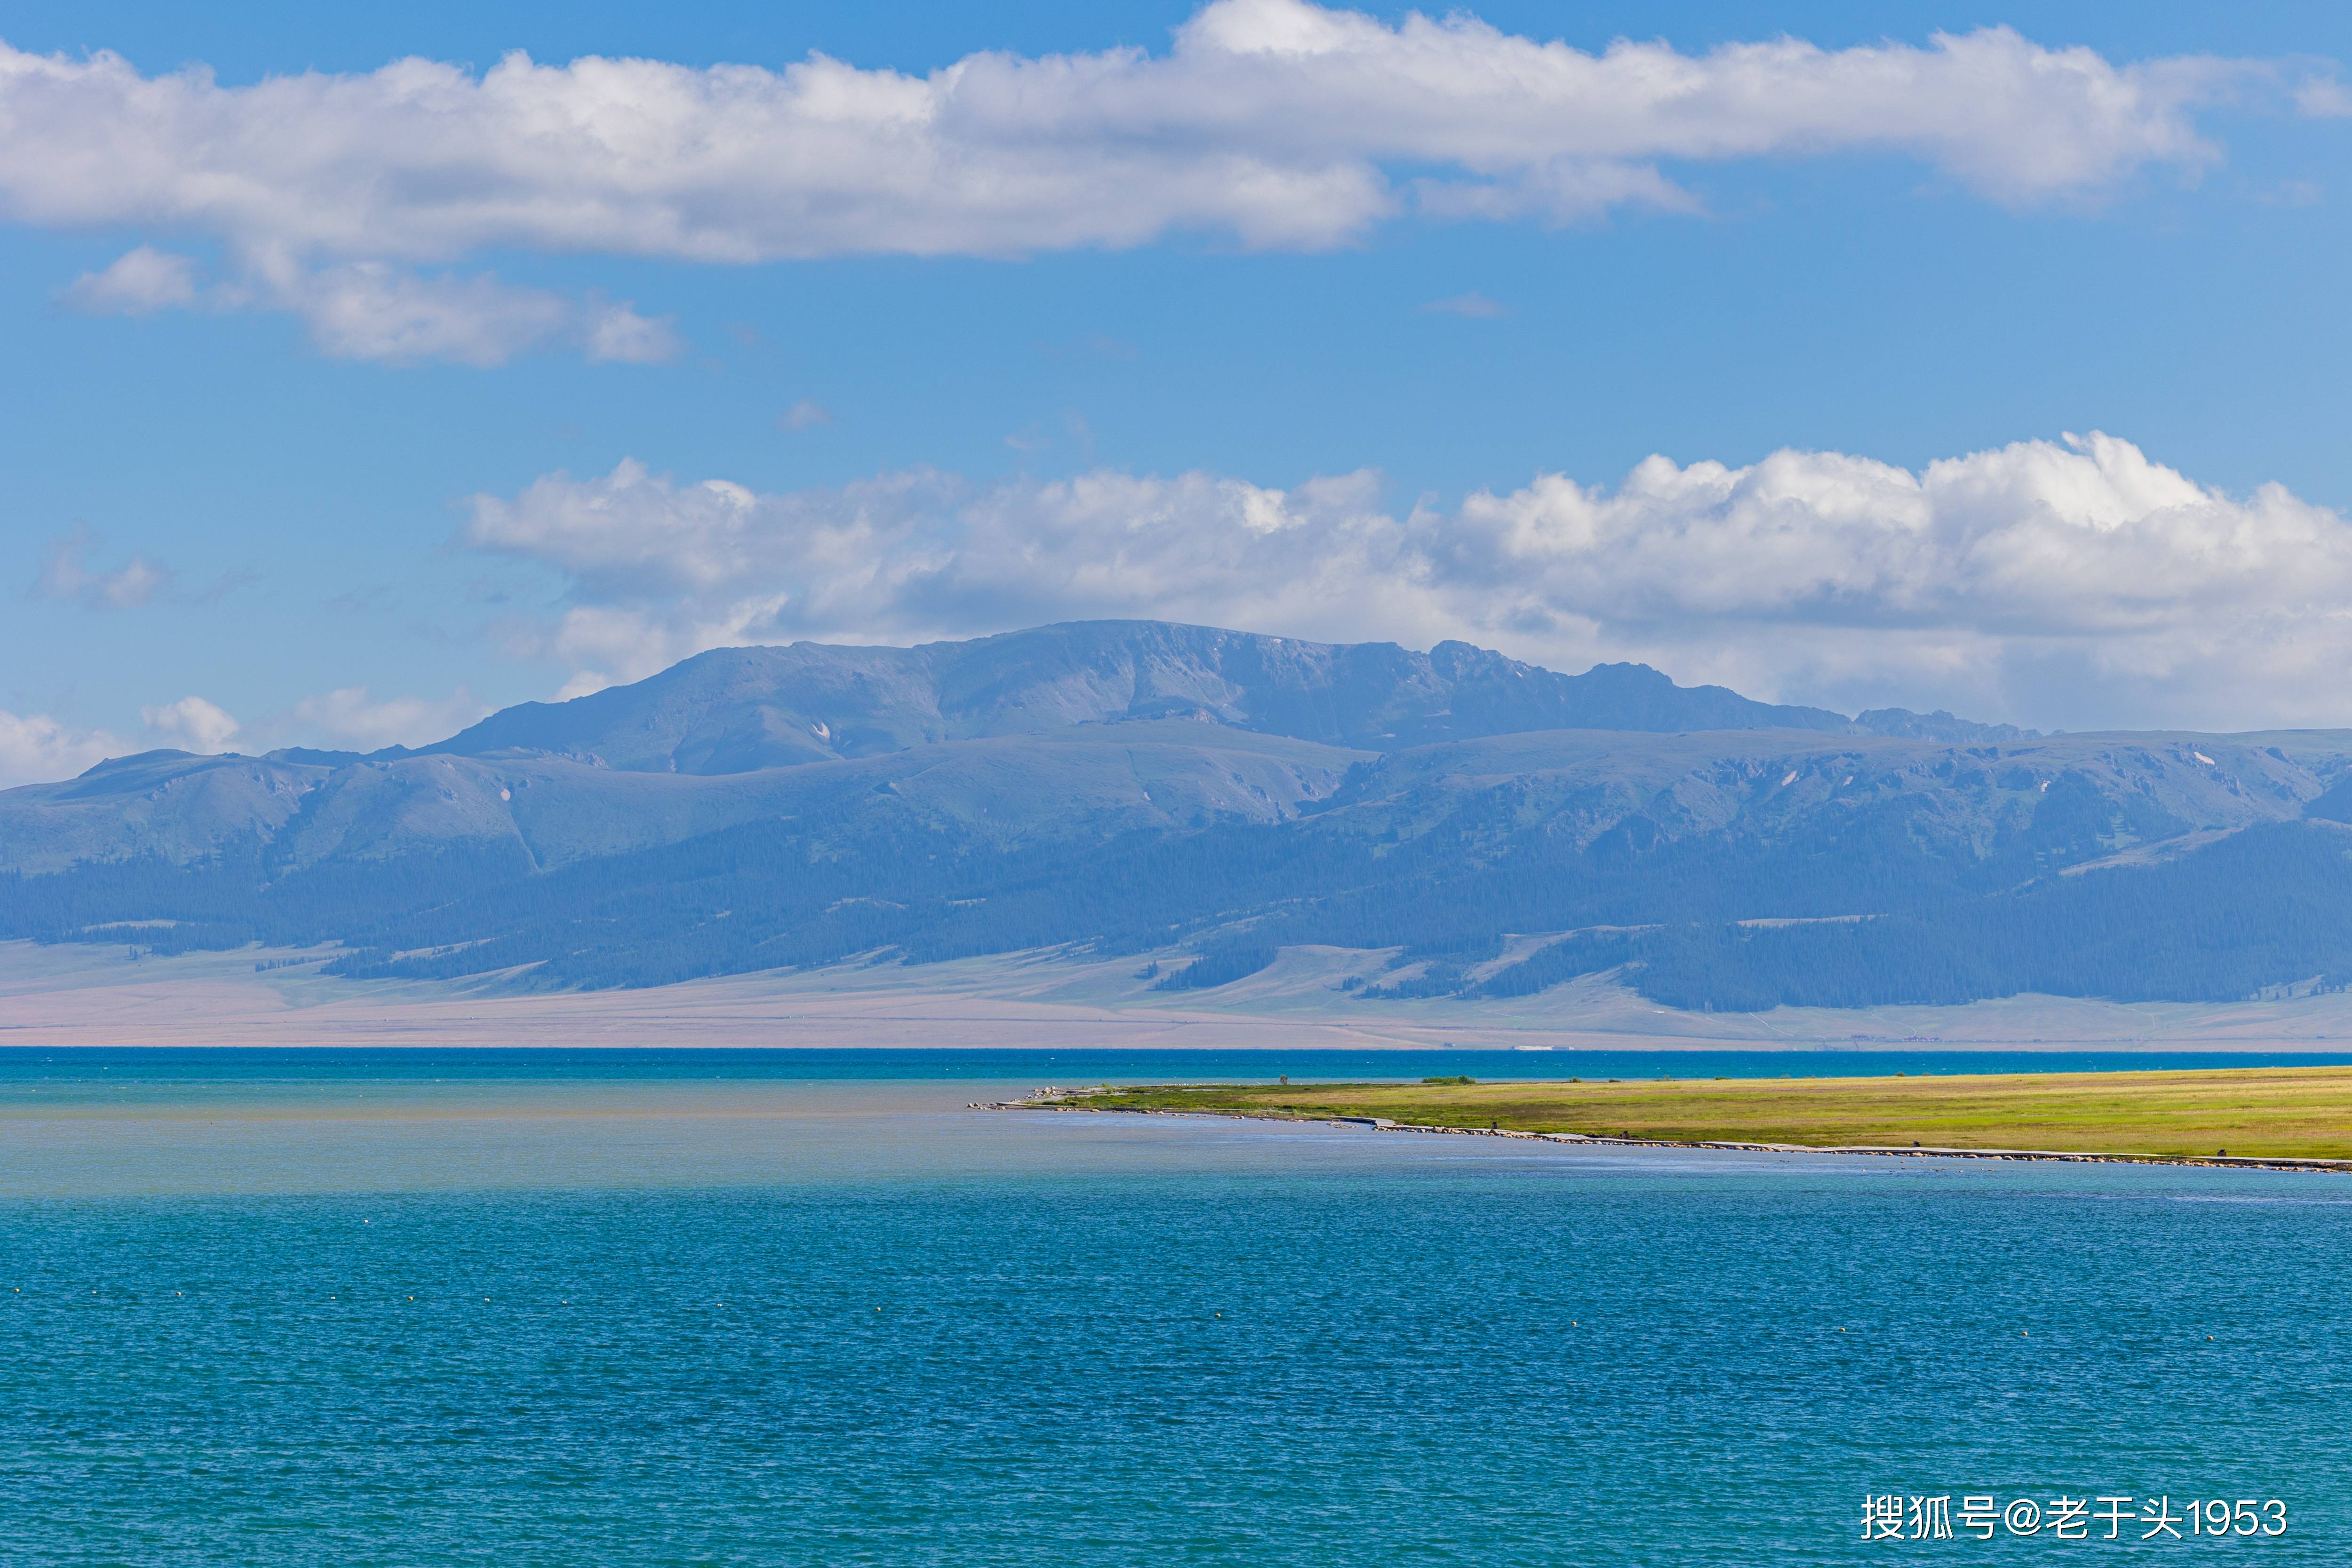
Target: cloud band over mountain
{"type": "Point", "coordinates": [2074, 583]}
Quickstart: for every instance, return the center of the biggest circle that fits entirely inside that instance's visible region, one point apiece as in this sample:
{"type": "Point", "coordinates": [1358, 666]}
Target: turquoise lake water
{"type": "Point", "coordinates": [424, 1308]}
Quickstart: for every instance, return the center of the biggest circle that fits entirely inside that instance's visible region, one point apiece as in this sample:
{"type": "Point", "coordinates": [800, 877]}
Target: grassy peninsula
{"type": "Point", "coordinates": [2261, 1112]}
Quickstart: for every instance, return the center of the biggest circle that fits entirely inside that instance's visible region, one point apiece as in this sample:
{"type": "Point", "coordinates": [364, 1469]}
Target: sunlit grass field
{"type": "Point", "coordinates": [2251, 1111]}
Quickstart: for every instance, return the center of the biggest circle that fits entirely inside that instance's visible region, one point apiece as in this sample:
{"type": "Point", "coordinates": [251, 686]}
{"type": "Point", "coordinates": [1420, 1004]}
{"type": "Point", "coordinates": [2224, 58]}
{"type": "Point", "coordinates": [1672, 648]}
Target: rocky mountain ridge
{"type": "Point", "coordinates": [1135, 786]}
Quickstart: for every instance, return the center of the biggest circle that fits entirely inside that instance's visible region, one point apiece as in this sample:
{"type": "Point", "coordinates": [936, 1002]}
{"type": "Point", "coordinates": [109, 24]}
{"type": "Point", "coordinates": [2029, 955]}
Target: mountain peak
{"type": "Point", "coordinates": [742, 709]}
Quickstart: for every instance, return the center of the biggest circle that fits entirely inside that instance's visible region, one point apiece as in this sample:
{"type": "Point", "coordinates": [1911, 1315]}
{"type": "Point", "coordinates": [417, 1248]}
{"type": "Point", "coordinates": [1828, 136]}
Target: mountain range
{"type": "Point", "coordinates": [1201, 798]}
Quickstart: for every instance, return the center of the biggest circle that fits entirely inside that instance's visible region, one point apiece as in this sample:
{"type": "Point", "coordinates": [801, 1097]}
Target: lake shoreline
{"type": "Point", "coordinates": [2311, 1164]}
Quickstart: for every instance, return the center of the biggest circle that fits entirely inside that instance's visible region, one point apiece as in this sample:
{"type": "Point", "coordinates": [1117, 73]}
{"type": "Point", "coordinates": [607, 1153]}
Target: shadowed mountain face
{"type": "Point", "coordinates": [541, 810]}
{"type": "Point", "coordinates": [1140, 786]}
{"type": "Point", "coordinates": [737, 710]}
{"type": "Point", "coordinates": [1151, 726]}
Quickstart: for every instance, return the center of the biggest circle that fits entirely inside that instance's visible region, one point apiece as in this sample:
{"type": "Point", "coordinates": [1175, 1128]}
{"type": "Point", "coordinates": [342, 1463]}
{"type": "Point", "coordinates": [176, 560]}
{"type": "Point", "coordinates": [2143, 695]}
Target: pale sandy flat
{"type": "Point", "coordinates": [83, 994]}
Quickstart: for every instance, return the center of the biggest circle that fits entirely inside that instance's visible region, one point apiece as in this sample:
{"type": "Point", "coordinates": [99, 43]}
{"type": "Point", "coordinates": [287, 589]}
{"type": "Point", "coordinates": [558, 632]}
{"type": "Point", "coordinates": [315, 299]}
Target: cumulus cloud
{"type": "Point", "coordinates": [353, 717]}
{"type": "Point", "coordinates": [369, 311]}
{"type": "Point", "coordinates": [2322, 97]}
{"type": "Point", "coordinates": [64, 575]}
{"type": "Point", "coordinates": [139, 282]}
{"type": "Point", "coordinates": [613, 333]}
{"type": "Point", "coordinates": [665, 570]}
{"type": "Point", "coordinates": [36, 749]}
{"type": "Point", "coordinates": [372, 310]}
{"type": "Point", "coordinates": [191, 724]}
{"type": "Point", "coordinates": [804, 415]}
{"type": "Point", "coordinates": [1277, 123]}
{"type": "Point", "coordinates": [2073, 583]}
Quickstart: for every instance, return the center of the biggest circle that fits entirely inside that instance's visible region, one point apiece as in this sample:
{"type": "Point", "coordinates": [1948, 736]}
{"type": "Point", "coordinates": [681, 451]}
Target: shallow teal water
{"type": "Point", "coordinates": [821, 1322]}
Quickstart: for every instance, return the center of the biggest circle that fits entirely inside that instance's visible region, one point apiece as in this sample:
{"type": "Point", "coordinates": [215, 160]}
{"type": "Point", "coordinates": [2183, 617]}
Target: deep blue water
{"type": "Point", "coordinates": [541, 1313]}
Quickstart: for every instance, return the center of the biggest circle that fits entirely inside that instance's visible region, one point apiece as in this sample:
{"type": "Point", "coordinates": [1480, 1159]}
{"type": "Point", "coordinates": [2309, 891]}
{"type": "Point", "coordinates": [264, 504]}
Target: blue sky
{"type": "Point", "coordinates": [214, 496]}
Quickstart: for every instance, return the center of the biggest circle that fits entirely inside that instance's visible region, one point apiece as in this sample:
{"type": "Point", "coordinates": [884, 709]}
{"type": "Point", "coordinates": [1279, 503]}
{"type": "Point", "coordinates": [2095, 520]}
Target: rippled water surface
{"type": "Point", "coordinates": [401, 1308]}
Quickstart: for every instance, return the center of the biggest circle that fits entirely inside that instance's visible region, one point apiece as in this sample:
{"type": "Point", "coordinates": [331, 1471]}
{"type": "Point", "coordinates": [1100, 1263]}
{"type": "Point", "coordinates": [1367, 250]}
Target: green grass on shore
{"type": "Point", "coordinates": [2271, 1113]}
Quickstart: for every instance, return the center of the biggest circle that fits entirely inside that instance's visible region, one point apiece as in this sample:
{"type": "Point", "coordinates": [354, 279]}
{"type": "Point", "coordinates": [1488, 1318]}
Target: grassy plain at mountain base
{"type": "Point", "coordinates": [2272, 1112]}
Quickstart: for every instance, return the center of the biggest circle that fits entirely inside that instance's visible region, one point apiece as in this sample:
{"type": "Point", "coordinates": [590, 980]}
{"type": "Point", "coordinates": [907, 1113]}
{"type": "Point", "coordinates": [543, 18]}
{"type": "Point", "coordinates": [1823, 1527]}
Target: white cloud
{"type": "Point", "coordinates": [352, 718]}
{"type": "Point", "coordinates": [1275, 121]}
{"type": "Point", "coordinates": [616, 333]}
{"type": "Point", "coordinates": [2075, 583]}
{"type": "Point", "coordinates": [392, 315]}
{"type": "Point", "coordinates": [665, 571]}
{"type": "Point", "coordinates": [804, 415]}
{"type": "Point", "coordinates": [64, 575]}
{"type": "Point", "coordinates": [191, 724]}
{"type": "Point", "coordinates": [137, 283]}
{"type": "Point", "coordinates": [36, 749]}
{"type": "Point", "coordinates": [2322, 97]}
{"type": "Point", "coordinates": [369, 311]}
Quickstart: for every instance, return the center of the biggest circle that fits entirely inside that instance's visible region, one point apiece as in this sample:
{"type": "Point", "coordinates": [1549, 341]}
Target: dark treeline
{"type": "Point", "coordinates": [1222, 963]}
